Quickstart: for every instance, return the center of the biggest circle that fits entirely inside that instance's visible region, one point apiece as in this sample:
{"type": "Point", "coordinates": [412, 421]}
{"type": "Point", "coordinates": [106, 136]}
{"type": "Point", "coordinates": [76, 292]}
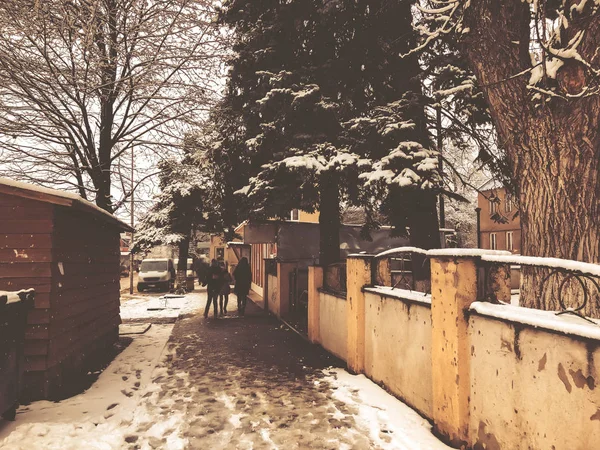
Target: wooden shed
{"type": "Point", "coordinates": [67, 249]}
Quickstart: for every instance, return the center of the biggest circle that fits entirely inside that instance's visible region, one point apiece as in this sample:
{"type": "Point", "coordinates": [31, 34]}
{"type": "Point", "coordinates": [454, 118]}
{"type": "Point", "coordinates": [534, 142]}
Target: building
{"type": "Point", "coordinates": [499, 221]}
{"type": "Point", "coordinates": [280, 253]}
{"type": "Point", "coordinates": [67, 249]}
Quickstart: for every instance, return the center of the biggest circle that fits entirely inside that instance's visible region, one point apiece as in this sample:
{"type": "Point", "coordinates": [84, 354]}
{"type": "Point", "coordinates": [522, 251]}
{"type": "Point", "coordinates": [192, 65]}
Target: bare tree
{"type": "Point", "coordinates": [82, 81]}
{"type": "Point", "coordinates": [538, 64]}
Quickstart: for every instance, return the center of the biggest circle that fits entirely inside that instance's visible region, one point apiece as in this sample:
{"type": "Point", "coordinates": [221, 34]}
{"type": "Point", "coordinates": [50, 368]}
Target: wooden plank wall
{"type": "Point", "coordinates": [85, 296]}
{"type": "Point", "coordinates": [26, 228]}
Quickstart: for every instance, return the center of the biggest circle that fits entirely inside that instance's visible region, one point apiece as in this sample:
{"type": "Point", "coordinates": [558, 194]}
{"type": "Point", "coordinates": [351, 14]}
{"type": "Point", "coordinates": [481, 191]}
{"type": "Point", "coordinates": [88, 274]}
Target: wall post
{"type": "Point", "coordinates": [315, 282]}
{"type": "Point", "coordinates": [282, 307]}
{"type": "Point", "coordinates": [454, 286]}
{"type": "Point", "coordinates": [453, 289]}
{"type": "Point", "coordinates": [358, 274]}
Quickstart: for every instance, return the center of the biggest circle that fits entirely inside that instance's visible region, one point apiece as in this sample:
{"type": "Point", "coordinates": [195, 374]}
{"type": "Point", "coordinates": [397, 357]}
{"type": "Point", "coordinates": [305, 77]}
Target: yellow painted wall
{"type": "Point", "coordinates": [398, 348]}
{"type": "Point", "coordinates": [532, 389]}
{"type": "Point", "coordinates": [486, 383]}
{"type": "Point", "coordinates": [332, 323]}
{"type": "Point", "coordinates": [272, 295]}
{"type": "Point", "coordinates": [304, 216]}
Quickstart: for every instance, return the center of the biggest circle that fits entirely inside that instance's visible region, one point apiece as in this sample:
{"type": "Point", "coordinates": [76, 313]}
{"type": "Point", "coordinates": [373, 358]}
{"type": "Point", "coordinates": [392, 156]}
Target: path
{"type": "Point", "coordinates": [250, 383]}
{"type": "Point", "coordinates": [233, 383]}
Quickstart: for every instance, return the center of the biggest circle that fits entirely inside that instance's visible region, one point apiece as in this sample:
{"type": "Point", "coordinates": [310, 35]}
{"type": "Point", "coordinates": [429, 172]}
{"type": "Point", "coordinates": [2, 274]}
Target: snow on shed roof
{"type": "Point", "coordinates": [57, 197]}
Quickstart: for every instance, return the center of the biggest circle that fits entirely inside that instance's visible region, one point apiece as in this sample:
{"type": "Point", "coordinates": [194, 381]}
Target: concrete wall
{"type": "Point", "coordinates": [333, 328]}
{"type": "Point", "coordinates": [398, 347]}
{"type": "Point", "coordinates": [532, 388]}
{"type": "Point", "coordinates": [272, 295]}
{"type": "Point", "coordinates": [489, 376]}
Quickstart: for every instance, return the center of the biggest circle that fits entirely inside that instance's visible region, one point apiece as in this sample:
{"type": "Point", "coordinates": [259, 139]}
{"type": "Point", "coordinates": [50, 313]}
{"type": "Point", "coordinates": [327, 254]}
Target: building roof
{"type": "Point", "coordinates": [490, 184]}
{"type": "Point", "coordinates": [57, 197]}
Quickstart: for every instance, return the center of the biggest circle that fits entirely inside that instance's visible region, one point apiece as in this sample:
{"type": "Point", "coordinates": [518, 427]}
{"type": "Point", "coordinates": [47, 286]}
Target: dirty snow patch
{"type": "Point", "coordinates": [382, 414]}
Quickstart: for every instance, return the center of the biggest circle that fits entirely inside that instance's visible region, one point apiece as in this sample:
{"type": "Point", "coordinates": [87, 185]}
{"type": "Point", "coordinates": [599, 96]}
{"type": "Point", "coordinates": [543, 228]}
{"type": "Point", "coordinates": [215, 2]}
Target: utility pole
{"type": "Point", "coordinates": [440, 144]}
{"type": "Point", "coordinates": [132, 223]}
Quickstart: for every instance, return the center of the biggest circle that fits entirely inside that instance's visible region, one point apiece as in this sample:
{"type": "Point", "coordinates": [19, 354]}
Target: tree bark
{"type": "Point", "coordinates": [329, 221]}
{"type": "Point", "coordinates": [553, 149]}
{"type": "Point", "coordinates": [425, 234]}
{"type": "Point", "coordinates": [181, 278]}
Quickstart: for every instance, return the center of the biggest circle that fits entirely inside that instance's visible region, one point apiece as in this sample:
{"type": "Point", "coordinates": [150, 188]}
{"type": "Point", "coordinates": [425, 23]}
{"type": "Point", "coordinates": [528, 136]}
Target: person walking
{"type": "Point", "coordinates": [243, 278]}
{"type": "Point", "coordinates": [214, 281]}
{"type": "Point", "coordinates": [225, 290]}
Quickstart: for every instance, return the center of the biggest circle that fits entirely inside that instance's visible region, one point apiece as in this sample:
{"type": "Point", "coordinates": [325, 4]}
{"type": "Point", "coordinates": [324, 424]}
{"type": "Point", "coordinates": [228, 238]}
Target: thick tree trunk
{"type": "Point", "coordinates": [329, 221]}
{"type": "Point", "coordinates": [553, 149]}
{"type": "Point", "coordinates": [181, 278]}
{"type": "Point", "coordinates": [424, 233]}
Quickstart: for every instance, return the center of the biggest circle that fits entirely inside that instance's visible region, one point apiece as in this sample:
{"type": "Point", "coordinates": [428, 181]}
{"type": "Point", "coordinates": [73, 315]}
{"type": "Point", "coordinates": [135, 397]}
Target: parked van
{"type": "Point", "coordinates": [157, 273]}
{"type": "Point", "coordinates": [190, 267]}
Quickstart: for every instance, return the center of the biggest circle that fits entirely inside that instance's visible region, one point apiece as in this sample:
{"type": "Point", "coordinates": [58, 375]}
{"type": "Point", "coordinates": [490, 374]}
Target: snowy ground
{"type": "Point", "coordinates": [96, 419]}
{"type": "Point", "coordinates": [220, 384]}
{"type": "Point", "coordinates": [159, 306]}
{"type": "Point", "coordinates": [376, 410]}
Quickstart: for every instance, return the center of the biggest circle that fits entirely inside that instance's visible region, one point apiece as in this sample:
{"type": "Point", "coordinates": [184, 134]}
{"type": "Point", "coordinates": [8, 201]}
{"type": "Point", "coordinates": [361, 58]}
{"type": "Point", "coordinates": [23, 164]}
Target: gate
{"type": "Point", "coordinates": [298, 312]}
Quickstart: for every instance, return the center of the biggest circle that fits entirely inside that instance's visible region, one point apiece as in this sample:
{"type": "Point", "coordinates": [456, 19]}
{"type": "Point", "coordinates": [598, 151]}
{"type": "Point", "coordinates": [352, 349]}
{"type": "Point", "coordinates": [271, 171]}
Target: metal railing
{"type": "Point", "coordinates": [334, 278]}
{"type": "Point", "coordinates": [394, 267]}
{"type": "Point", "coordinates": [561, 273]}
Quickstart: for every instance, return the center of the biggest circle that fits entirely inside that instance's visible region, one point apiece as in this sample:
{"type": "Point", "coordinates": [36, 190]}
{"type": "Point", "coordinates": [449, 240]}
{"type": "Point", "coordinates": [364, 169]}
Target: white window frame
{"type": "Point", "coordinates": [297, 218]}
{"type": "Point", "coordinates": [493, 241]}
{"type": "Point", "coordinates": [493, 207]}
{"type": "Point", "coordinates": [509, 241]}
{"type": "Point", "coordinates": [508, 203]}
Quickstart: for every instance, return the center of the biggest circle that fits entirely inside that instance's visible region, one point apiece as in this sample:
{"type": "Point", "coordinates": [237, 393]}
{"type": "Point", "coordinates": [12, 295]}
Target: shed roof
{"type": "Point", "coordinates": [56, 197]}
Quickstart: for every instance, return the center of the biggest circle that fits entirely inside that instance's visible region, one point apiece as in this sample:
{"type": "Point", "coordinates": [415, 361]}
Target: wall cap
{"type": "Point", "coordinates": [400, 294]}
{"type": "Point", "coordinates": [552, 263]}
{"type": "Point", "coordinates": [450, 252]}
{"type": "Point", "coordinates": [331, 292]}
{"type": "Point", "coordinates": [566, 324]}
{"type": "Point", "coordinates": [361, 255]}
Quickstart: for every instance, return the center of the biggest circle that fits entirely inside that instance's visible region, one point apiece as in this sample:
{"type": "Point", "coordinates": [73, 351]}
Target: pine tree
{"type": "Point", "coordinates": [177, 212]}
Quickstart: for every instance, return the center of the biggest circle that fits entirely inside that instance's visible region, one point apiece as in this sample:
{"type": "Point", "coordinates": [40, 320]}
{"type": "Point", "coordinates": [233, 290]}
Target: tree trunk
{"type": "Point", "coordinates": [329, 221]}
{"type": "Point", "coordinates": [181, 278]}
{"type": "Point", "coordinates": [425, 234]}
{"type": "Point", "coordinates": [553, 149]}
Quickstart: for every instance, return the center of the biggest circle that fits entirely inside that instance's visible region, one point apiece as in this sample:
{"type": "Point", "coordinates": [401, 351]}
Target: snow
{"type": "Point", "coordinates": [61, 194]}
{"type": "Point", "coordinates": [466, 252]}
{"type": "Point", "coordinates": [147, 308]}
{"type": "Point", "coordinates": [402, 294]}
{"type": "Point", "coordinates": [101, 417]}
{"type": "Point", "coordinates": [393, 251]}
{"type": "Point", "coordinates": [554, 263]}
{"type": "Point", "coordinates": [450, 252]}
{"type": "Point", "coordinates": [14, 296]}
{"type": "Point", "coordinates": [392, 424]}
{"type": "Point", "coordinates": [568, 324]}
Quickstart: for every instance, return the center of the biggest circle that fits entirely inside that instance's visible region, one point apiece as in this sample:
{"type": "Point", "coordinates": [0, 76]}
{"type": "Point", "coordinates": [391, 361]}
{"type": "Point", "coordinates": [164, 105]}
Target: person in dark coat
{"type": "Point", "coordinates": [243, 278]}
{"type": "Point", "coordinates": [214, 282]}
{"type": "Point", "coordinates": [225, 290]}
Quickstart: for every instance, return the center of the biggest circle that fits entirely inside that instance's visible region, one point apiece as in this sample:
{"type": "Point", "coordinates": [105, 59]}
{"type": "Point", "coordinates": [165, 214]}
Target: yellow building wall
{"type": "Point", "coordinates": [304, 216]}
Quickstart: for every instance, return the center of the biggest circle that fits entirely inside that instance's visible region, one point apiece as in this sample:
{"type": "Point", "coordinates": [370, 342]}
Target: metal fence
{"type": "Point", "coordinates": [334, 278]}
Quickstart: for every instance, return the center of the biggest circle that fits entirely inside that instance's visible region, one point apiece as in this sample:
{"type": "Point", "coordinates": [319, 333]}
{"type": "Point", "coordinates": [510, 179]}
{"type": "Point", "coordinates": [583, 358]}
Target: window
{"type": "Point", "coordinates": [493, 205]}
{"type": "Point", "coordinates": [509, 241]}
{"type": "Point", "coordinates": [154, 266]}
{"type": "Point", "coordinates": [493, 245]}
{"type": "Point", "coordinates": [508, 203]}
{"type": "Point", "coordinates": [295, 215]}
{"type": "Point", "coordinates": [220, 256]}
